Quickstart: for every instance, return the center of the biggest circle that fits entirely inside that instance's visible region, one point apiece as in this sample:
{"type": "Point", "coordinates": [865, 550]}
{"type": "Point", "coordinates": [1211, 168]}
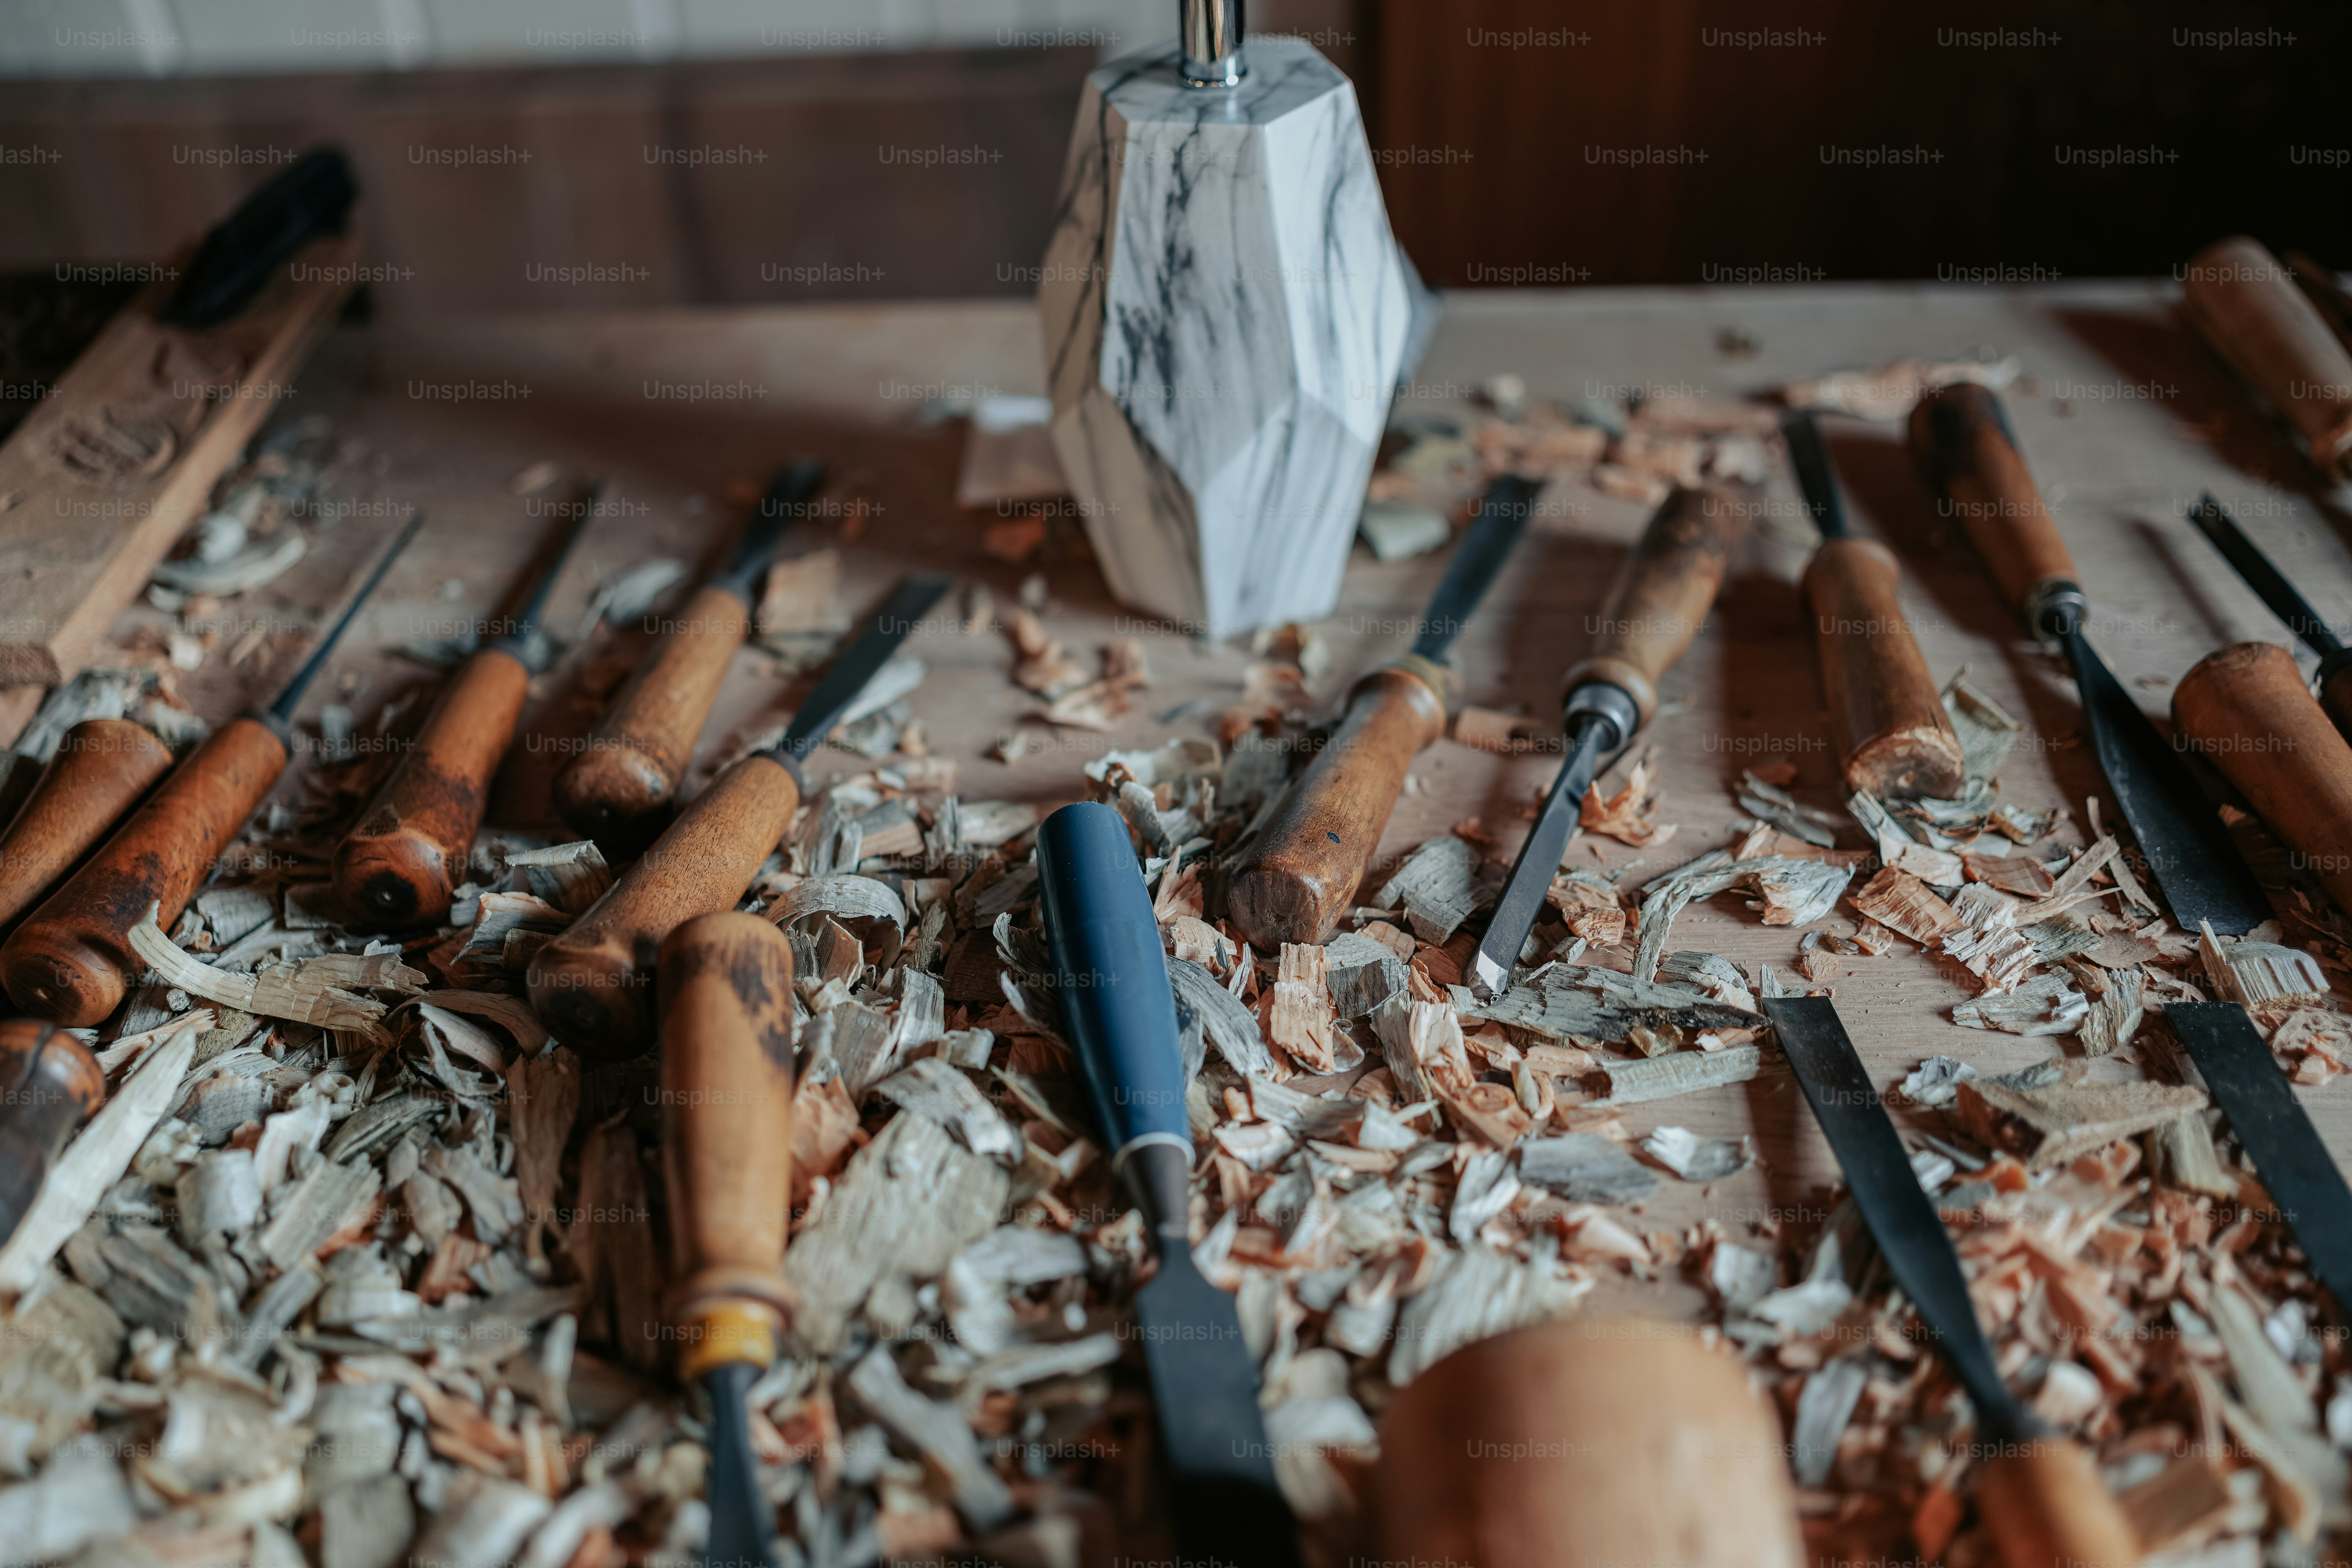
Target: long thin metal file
{"type": "Point", "coordinates": [1492, 535]}
{"type": "Point", "coordinates": [839, 690]}
{"type": "Point", "coordinates": [2197, 868]}
{"type": "Point", "coordinates": [1902, 1219]}
{"type": "Point", "coordinates": [2253, 1092]}
{"type": "Point", "coordinates": [2269, 583]}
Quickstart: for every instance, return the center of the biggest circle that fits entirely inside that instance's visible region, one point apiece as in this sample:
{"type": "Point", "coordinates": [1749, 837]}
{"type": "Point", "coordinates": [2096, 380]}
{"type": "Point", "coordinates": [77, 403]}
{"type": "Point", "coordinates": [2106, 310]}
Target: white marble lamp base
{"type": "Point", "coordinates": [1226, 316]}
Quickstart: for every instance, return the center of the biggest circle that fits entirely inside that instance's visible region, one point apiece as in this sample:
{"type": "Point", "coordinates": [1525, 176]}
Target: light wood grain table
{"type": "Point", "coordinates": [2125, 416]}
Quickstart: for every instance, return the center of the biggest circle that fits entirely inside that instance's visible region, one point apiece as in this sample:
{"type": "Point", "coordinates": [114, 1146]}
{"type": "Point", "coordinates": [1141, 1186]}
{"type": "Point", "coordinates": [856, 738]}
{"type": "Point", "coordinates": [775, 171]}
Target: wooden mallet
{"type": "Point", "coordinates": [1591, 1440]}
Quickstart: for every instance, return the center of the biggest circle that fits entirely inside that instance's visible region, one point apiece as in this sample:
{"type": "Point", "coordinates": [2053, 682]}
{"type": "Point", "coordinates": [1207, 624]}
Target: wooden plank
{"type": "Point", "coordinates": [107, 473]}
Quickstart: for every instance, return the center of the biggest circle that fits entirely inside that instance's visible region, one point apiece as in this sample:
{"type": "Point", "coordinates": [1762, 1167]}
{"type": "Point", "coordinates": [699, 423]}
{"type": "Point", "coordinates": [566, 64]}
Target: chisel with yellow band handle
{"type": "Point", "coordinates": [1653, 611]}
{"type": "Point", "coordinates": [1293, 878]}
{"type": "Point", "coordinates": [726, 984]}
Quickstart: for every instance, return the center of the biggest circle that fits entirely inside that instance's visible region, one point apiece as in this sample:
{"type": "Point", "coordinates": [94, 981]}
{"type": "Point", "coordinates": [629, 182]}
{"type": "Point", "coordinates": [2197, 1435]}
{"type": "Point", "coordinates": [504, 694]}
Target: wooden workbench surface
{"type": "Point", "coordinates": [2125, 416]}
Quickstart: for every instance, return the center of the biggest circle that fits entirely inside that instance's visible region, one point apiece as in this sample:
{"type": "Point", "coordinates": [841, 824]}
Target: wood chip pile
{"type": "Point", "coordinates": [356, 1264]}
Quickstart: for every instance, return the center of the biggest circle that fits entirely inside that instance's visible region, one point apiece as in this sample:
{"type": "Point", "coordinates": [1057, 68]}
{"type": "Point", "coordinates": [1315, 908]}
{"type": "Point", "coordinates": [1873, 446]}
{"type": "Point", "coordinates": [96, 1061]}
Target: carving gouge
{"type": "Point", "coordinates": [1655, 609]}
{"type": "Point", "coordinates": [2252, 1090]}
{"type": "Point", "coordinates": [70, 960]}
{"type": "Point", "coordinates": [2271, 585]}
{"type": "Point", "coordinates": [102, 768]}
{"type": "Point", "coordinates": [1295, 876]}
{"type": "Point", "coordinates": [1961, 441]}
{"type": "Point", "coordinates": [1121, 1016]}
{"type": "Point", "coordinates": [726, 983]}
{"type": "Point", "coordinates": [1892, 735]}
{"type": "Point", "coordinates": [589, 985]}
{"type": "Point", "coordinates": [401, 863]}
{"type": "Point", "coordinates": [2041, 1495]}
{"type": "Point", "coordinates": [620, 789]}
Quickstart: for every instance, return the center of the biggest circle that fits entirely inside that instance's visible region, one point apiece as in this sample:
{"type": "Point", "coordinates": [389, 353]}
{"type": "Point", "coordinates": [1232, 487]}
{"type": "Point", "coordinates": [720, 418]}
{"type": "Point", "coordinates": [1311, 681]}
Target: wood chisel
{"type": "Point", "coordinates": [1121, 1014]}
{"type": "Point", "coordinates": [1296, 875]}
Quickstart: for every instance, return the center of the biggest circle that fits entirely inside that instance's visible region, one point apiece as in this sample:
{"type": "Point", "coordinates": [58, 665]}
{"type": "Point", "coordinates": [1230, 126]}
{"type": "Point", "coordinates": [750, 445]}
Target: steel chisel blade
{"type": "Point", "coordinates": [2197, 868]}
{"type": "Point", "coordinates": [1901, 1217]}
{"type": "Point", "coordinates": [2253, 1092]}
{"type": "Point", "coordinates": [1502, 518]}
{"type": "Point", "coordinates": [839, 689]}
{"type": "Point", "coordinates": [1223, 1500]}
{"type": "Point", "coordinates": [2263, 575]}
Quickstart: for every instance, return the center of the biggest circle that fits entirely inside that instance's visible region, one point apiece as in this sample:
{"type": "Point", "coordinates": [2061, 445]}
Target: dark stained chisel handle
{"type": "Point", "coordinates": [49, 1085]}
{"type": "Point", "coordinates": [1297, 874]}
{"type": "Point", "coordinates": [726, 987]}
{"type": "Point", "coordinates": [1893, 738]}
{"type": "Point", "coordinates": [70, 962]}
{"type": "Point", "coordinates": [621, 786]}
{"type": "Point", "coordinates": [1661, 598]}
{"type": "Point", "coordinates": [591, 985]}
{"type": "Point", "coordinates": [1961, 442]}
{"type": "Point", "coordinates": [400, 866]}
{"type": "Point", "coordinates": [102, 768]}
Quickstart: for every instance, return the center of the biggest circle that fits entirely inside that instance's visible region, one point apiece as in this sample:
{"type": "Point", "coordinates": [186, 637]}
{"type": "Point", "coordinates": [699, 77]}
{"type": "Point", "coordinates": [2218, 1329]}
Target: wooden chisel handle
{"type": "Point", "coordinates": [2046, 1507]}
{"type": "Point", "coordinates": [102, 768]}
{"type": "Point", "coordinates": [622, 783]}
{"type": "Point", "coordinates": [726, 987]}
{"type": "Point", "coordinates": [49, 1085]}
{"type": "Point", "coordinates": [590, 986]}
{"type": "Point", "coordinates": [2247, 711]}
{"type": "Point", "coordinates": [1294, 878]}
{"type": "Point", "coordinates": [400, 864]}
{"type": "Point", "coordinates": [2244, 302]}
{"type": "Point", "coordinates": [1961, 440]}
{"type": "Point", "coordinates": [70, 960]}
{"type": "Point", "coordinates": [1892, 735]}
{"type": "Point", "coordinates": [1662, 595]}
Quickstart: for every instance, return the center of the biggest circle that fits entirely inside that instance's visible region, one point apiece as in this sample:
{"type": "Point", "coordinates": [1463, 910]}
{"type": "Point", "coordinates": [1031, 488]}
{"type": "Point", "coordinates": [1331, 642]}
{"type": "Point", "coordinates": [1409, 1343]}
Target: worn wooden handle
{"type": "Point", "coordinates": [49, 1084]}
{"type": "Point", "coordinates": [2247, 711]}
{"type": "Point", "coordinates": [1296, 876]}
{"type": "Point", "coordinates": [623, 783]}
{"type": "Point", "coordinates": [589, 984]}
{"type": "Point", "coordinates": [1660, 600]}
{"type": "Point", "coordinates": [726, 988]}
{"type": "Point", "coordinates": [102, 768]}
{"type": "Point", "coordinates": [1892, 735]}
{"type": "Point", "coordinates": [1961, 443]}
{"type": "Point", "coordinates": [400, 864]}
{"type": "Point", "coordinates": [70, 960]}
{"type": "Point", "coordinates": [2046, 1508]}
{"type": "Point", "coordinates": [2244, 302]}
{"type": "Point", "coordinates": [1597, 1441]}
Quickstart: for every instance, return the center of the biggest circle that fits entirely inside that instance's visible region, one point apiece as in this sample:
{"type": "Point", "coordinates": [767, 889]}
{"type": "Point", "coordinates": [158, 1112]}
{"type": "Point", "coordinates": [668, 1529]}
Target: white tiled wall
{"type": "Point", "coordinates": [221, 38]}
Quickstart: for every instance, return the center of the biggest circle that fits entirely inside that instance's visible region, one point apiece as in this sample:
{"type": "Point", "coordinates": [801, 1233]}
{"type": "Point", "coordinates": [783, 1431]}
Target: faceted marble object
{"type": "Point", "coordinates": [1226, 317]}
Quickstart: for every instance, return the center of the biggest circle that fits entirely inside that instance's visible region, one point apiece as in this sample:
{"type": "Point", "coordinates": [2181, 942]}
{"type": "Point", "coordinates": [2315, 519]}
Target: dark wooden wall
{"type": "Point", "coordinates": [1491, 167]}
{"type": "Point", "coordinates": [1488, 117]}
